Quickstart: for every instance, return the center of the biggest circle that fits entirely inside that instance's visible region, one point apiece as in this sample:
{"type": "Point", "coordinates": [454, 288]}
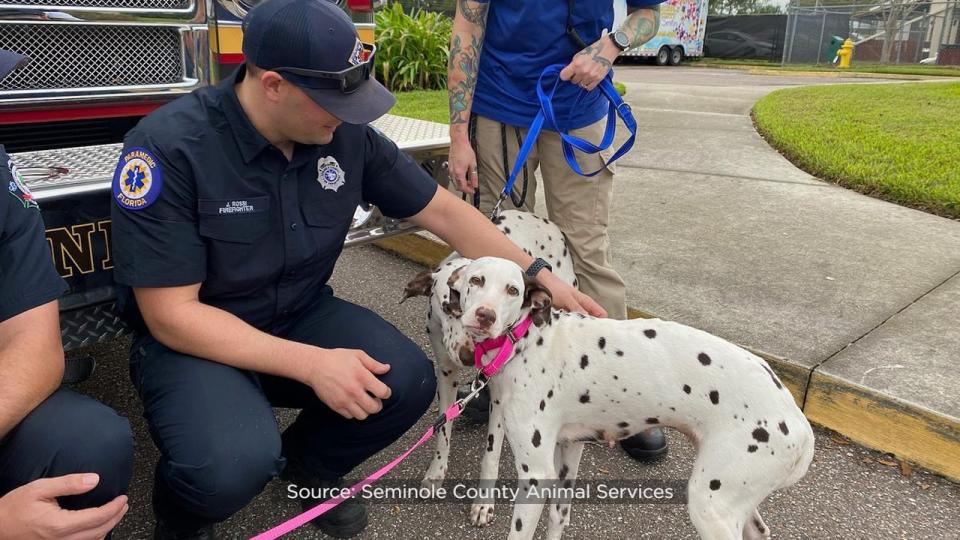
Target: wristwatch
{"type": "Point", "coordinates": [620, 39]}
{"type": "Point", "coordinates": [537, 265]}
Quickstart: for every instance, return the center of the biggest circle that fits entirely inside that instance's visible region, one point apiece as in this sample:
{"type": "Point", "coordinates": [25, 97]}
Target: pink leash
{"type": "Point", "coordinates": [505, 342]}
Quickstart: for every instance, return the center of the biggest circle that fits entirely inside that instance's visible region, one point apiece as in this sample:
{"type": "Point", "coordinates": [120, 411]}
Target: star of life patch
{"type": "Point", "coordinates": [329, 173]}
{"type": "Point", "coordinates": [138, 179]}
{"type": "Point", "coordinates": [18, 188]}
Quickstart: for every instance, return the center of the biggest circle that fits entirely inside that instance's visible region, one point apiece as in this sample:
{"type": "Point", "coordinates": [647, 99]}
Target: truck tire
{"type": "Point", "coordinates": [676, 56]}
{"type": "Point", "coordinates": [663, 56]}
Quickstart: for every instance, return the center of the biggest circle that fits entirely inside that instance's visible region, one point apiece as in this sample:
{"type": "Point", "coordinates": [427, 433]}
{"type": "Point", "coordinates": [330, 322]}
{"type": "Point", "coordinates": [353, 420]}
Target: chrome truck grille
{"type": "Point", "coordinates": [109, 4]}
{"type": "Point", "coordinates": [92, 56]}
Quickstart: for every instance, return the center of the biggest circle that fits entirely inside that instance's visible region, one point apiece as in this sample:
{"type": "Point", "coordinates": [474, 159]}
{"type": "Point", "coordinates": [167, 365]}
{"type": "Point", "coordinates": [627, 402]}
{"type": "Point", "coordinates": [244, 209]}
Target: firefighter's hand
{"type": "Point", "coordinates": [592, 64]}
{"type": "Point", "coordinates": [345, 379]}
{"type": "Point", "coordinates": [568, 298]}
{"type": "Point", "coordinates": [31, 511]}
{"type": "Point", "coordinates": [463, 165]}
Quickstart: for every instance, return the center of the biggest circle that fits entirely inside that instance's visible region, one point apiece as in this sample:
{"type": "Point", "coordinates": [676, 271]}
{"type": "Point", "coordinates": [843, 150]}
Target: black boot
{"type": "Point", "coordinates": [478, 409]}
{"type": "Point", "coordinates": [648, 446]}
{"type": "Point", "coordinates": [345, 520]}
{"type": "Point", "coordinates": [182, 528]}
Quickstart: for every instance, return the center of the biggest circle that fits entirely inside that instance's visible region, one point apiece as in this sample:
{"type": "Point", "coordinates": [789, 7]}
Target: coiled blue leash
{"type": "Point", "coordinates": [546, 88]}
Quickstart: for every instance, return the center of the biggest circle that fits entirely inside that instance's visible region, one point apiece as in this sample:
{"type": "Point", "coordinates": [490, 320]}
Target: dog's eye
{"type": "Point", "coordinates": [513, 291]}
{"type": "Point", "coordinates": [476, 280]}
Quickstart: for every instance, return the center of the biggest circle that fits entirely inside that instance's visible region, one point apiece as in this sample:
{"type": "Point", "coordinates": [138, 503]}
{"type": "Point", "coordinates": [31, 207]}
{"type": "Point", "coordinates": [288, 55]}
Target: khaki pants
{"type": "Point", "coordinates": [580, 206]}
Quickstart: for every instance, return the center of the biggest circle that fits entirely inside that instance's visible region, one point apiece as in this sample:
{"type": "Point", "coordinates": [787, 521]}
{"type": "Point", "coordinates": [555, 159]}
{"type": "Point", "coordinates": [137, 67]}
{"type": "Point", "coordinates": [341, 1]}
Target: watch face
{"type": "Point", "coordinates": [621, 39]}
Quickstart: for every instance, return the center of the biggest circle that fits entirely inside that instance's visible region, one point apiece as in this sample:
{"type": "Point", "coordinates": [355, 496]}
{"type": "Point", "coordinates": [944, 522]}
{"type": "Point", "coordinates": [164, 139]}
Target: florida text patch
{"type": "Point", "coordinates": [138, 179]}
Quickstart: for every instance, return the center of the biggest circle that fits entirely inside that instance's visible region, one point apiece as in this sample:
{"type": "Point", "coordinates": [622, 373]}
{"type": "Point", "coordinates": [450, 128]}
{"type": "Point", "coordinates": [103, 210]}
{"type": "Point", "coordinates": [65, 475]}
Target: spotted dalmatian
{"type": "Point", "coordinates": [576, 379]}
{"type": "Point", "coordinates": [536, 236]}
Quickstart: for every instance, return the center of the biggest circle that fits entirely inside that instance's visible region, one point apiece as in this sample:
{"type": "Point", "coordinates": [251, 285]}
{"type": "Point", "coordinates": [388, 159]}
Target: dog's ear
{"type": "Point", "coordinates": [451, 306]}
{"type": "Point", "coordinates": [421, 285]}
{"type": "Point", "coordinates": [538, 299]}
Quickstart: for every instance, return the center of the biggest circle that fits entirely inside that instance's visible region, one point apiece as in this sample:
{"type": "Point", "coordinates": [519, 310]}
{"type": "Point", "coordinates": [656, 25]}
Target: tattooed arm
{"type": "Point", "coordinates": [592, 64]}
{"type": "Point", "coordinates": [469, 26]}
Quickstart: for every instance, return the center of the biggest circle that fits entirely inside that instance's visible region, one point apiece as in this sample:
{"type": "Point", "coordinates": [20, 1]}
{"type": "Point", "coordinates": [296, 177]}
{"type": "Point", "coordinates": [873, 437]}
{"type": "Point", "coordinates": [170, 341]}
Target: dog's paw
{"type": "Point", "coordinates": [481, 514]}
{"type": "Point", "coordinates": [432, 481]}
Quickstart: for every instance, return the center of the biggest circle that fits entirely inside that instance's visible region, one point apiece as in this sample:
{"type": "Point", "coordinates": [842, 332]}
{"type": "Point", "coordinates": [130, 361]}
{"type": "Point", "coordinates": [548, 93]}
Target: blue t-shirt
{"type": "Point", "coordinates": [522, 38]}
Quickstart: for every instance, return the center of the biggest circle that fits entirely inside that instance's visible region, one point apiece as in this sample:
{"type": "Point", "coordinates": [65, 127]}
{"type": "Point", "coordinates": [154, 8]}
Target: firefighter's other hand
{"type": "Point", "coordinates": [345, 379]}
{"type": "Point", "coordinates": [32, 510]}
{"type": "Point", "coordinates": [592, 64]}
{"type": "Point", "coordinates": [463, 165]}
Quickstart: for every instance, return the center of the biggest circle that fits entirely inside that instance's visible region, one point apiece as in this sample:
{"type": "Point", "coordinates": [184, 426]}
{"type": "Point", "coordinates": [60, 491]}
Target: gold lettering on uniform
{"type": "Point", "coordinates": [106, 227]}
{"type": "Point", "coordinates": [72, 248]}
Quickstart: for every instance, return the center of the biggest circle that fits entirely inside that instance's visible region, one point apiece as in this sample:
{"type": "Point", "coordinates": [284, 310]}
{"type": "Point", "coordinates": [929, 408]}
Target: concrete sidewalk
{"type": "Point", "coordinates": [853, 300]}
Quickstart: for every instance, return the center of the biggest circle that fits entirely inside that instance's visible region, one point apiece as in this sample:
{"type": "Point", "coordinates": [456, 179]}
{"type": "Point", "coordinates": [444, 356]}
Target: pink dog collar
{"type": "Point", "coordinates": [505, 342]}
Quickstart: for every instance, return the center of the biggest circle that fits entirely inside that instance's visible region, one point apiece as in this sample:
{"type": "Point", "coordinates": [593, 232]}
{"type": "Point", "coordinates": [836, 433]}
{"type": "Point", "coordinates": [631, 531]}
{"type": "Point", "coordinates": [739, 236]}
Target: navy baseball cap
{"type": "Point", "coordinates": [10, 61]}
{"type": "Point", "coordinates": [314, 45]}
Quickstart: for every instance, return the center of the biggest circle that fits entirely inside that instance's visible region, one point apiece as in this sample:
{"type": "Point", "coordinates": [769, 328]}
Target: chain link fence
{"type": "Point", "coordinates": [888, 32]}
{"type": "Point", "coordinates": [447, 7]}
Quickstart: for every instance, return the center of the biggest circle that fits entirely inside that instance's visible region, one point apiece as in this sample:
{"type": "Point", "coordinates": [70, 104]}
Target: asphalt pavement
{"type": "Point", "coordinates": [848, 493]}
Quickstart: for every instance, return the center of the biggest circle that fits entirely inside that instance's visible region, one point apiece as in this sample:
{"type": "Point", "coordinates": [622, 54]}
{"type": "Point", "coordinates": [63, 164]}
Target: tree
{"type": "Point", "coordinates": [743, 7]}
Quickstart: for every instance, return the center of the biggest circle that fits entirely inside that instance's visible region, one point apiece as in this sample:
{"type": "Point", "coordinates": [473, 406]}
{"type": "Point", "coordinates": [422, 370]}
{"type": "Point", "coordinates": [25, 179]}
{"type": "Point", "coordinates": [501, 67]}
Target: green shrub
{"type": "Point", "coordinates": [412, 50]}
{"type": "Point", "coordinates": [621, 88]}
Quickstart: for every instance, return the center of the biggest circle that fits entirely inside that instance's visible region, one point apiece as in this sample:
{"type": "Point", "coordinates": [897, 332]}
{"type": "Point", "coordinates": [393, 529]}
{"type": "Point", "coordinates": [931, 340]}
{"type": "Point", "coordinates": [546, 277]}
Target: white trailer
{"type": "Point", "coordinates": [683, 25]}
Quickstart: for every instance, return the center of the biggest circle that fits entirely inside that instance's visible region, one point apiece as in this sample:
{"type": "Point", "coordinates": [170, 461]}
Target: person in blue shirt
{"type": "Point", "coordinates": [65, 459]}
{"type": "Point", "coordinates": [498, 50]}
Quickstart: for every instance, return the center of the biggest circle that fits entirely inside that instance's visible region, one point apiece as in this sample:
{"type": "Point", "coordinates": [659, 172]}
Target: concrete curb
{"type": "Point", "coordinates": [868, 417]}
{"type": "Point", "coordinates": [758, 70]}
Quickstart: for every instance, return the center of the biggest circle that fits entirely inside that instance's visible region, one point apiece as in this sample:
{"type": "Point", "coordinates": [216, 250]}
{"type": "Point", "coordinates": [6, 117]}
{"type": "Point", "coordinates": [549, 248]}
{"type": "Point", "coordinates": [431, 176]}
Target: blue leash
{"type": "Point", "coordinates": [547, 117]}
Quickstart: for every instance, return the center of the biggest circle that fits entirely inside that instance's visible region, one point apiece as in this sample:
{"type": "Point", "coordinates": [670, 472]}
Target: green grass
{"type": "Point", "coordinates": [897, 141]}
{"type": "Point", "coordinates": [884, 69]}
{"type": "Point", "coordinates": [433, 105]}
{"type": "Point", "coordinates": [430, 105]}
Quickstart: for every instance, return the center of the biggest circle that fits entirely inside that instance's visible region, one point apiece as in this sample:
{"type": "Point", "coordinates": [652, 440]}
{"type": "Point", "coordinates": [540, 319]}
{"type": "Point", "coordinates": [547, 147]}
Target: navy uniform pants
{"type": "Point", "coordinates": [69, 433]}
{"type": "Point", "coordinates": [216, 430]}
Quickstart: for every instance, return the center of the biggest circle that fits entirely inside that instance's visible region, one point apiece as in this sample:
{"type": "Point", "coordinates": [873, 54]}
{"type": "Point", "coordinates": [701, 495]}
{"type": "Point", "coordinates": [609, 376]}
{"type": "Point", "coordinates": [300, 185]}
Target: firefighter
{"type": "Point", "coordinates": [65, 459]}
{"type": "Point", "coordinates": [498, 50]}
{"type": "Point", "coordinates": [231, 207]}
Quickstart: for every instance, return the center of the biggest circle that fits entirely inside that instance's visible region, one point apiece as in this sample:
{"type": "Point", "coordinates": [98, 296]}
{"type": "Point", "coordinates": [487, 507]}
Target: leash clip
{"type": "Point", "coordinates": [497, 208]}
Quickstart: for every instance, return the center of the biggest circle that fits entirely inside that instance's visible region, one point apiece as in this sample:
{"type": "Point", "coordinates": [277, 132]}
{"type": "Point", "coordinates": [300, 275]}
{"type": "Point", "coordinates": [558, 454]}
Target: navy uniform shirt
{"type": "Point", "coordinates": [27, 276]}
{"type": "Point", "coordinates": [200, 196]}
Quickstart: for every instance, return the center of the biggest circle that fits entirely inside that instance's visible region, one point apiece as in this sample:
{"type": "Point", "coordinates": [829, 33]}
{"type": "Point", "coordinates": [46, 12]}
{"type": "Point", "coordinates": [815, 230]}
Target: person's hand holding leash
{"type": "Point", "coordinates": [592, 64]}
{"type": "Point", "coordinates": [463, 165]}
{"type": "Point", "coordinates": [345, 379]}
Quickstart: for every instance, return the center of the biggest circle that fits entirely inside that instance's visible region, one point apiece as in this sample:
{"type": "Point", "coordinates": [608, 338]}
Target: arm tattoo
{"type": "Point", "coordinates": [645, 27]}
{"type": "Point", "coordinates": [468, 62]}
{"type": "Point", "coordinates": [476, 15]}
{"type": "Point", "coordinates": [594, 52]}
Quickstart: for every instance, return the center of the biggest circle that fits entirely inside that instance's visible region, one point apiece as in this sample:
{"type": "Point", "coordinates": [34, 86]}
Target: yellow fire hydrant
{"type": "Point", "coordinates": [845, 53]}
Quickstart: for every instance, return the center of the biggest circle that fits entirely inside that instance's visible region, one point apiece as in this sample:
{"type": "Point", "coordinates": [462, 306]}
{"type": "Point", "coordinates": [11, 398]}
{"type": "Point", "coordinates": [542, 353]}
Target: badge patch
{"type": "Point", "coordinates": [138, 179]}
{"type": "Point", "coordinates": [329, 173]}
{"type": "Point", "coordinates": [18, 188]}
{"type": "Point", "coordinates": [356, 57]}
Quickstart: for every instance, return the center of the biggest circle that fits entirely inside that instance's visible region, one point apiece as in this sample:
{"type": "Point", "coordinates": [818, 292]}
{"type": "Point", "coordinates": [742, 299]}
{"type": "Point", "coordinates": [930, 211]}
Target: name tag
{"type": "Point", "coordinates": [233, 207]}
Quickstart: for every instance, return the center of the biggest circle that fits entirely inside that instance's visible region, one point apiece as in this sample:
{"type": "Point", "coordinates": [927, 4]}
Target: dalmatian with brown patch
{"type": "Point", "coordinates": [574, 379]}
{"type": "Point", "coordinates": [538, 237]}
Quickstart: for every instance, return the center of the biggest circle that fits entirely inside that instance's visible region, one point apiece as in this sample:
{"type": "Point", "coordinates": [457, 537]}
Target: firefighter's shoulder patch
{"type": "Point", "coordinates": [18, 188]}
{"type": "Point", "coordinates": [138, 179]}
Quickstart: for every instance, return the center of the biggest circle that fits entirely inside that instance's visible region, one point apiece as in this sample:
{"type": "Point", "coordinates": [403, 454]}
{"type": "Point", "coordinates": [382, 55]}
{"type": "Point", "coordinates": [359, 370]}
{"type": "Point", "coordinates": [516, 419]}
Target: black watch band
{"type": "Point", "coordinates": [620, 39]}
{"type": "Point", "coordinates": [537, 265]}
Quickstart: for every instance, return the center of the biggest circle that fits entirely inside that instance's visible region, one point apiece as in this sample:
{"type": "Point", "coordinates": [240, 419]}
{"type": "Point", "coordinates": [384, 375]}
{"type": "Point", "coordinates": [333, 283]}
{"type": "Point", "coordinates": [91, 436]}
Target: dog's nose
{"type": "Point", "coordinates": [486, 316]}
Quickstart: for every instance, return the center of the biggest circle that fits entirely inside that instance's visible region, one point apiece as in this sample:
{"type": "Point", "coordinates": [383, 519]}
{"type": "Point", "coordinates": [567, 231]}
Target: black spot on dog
{"type": "Point", "coordinates": [567, 483]}
{"type": "Point", "coordinates": [585, 397]}
{"type": "Point", "coordinates": [776, 381]}
{"type": "Point", "coordinates": [714, 397]}
{"type": "Point", "coordinates": [497, 401]}
{"type": "Point", "coordinates": [761, 435]}
{"type": "Point", "coordinates": [752, 448]}
{"type": "Point", "coordinates": [783, 428]}
{"type": "Point", "coordinates": [524, 467]}
{"type": "Point", "coordinates": [539, 341]}
{"type": "Point", "coordinates": [714, 485]}
{"type": "Point", "coordinates": [759, 525]}
{"type": "Point", "coordinates": [602, 343]}
{"type": "Point", "coordinates": [543, 404]}
{"type": "Point", "coordinates": [536, 438]}
{"type": "Point", "coordinates": [704, 359]}
{"type": "Point", "coordinates": [490, 442]}
{"type": "Point", "coordinates": [623, 424]}
{"type": "Point", "coordinates": [556, 316]}
{"type": "Point", "coordinates": [650, 333]}
{"type": "Point", "coordinates": [584, 361]}
{"type": "Point", "coordinates": [519, 524]}
{"type": "Point", "coordinates": [619, 352]}
{"type": "Point", "coordinates": [686, 388]}
{"type": "Point", "coordinates": [506, 230]}
{"type": "Point", "coordinates": [652, 420]}
{"type": "Point", "coordinates": [550, 394]}
{"type": "Point", "coordinates": [563, 471]}
{"type": "Point", "coordinates": [533, 482]}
